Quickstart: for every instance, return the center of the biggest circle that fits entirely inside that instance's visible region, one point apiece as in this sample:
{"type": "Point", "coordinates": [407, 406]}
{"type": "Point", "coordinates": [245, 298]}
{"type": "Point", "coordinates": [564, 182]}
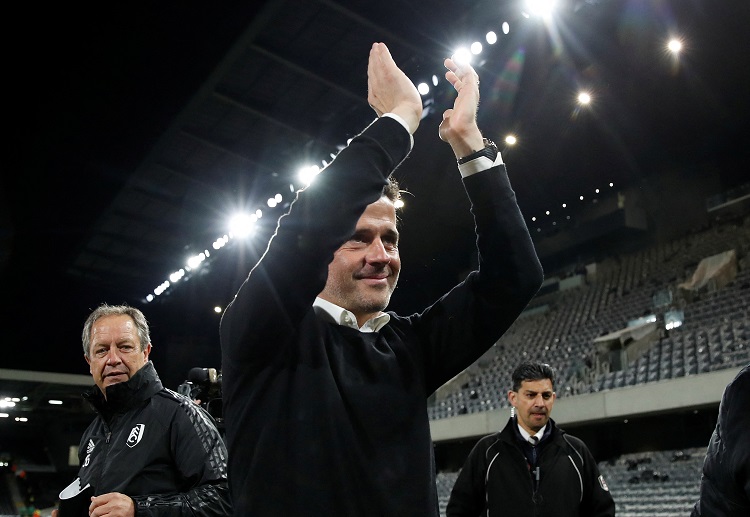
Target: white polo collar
{"type": "Point", "coordinates": [346, 318]}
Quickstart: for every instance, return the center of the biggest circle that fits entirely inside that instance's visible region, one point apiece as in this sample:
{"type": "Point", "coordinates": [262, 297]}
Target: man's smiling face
{"type": "Point", "coordinates": [364, 270]}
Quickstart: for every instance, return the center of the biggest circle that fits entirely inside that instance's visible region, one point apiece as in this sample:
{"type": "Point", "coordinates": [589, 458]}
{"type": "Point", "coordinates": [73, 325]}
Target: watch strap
{"type": "Point", "coordinates": [489, 150]}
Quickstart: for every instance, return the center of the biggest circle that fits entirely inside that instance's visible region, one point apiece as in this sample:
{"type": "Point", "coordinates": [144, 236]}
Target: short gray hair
{"type": "Point", "coordinates": [116, 310]}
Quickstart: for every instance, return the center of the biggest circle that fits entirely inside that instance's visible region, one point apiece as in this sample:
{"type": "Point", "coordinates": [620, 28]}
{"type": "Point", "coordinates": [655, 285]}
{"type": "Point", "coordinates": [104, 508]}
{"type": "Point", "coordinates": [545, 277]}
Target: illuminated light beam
{"type": "Point", "coordinates": [505, 88]}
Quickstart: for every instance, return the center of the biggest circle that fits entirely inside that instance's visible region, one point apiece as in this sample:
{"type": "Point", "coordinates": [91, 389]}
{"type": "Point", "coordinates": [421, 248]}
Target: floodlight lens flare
{"type": "Point", "coordinates": [241, 225]}
{"type": "Point", "coordinates": [461, 57]}
{"type": "Point", "coordinates": [541, 8]}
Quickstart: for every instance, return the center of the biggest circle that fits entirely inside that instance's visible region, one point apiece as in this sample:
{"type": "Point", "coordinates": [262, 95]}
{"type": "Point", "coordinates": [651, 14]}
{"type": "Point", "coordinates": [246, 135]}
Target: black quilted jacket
{"type": "Point", "coordinates": [157, 447]}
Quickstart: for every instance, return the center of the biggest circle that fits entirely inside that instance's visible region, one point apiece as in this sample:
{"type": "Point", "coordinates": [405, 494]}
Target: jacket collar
{"type": "Point", "coordinates": [511, 434]}
{"type": "Point", "coordinates": [125, 395]}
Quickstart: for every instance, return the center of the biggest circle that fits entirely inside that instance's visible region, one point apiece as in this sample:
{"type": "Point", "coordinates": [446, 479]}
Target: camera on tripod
{"type": "Point", "coordinates": [203, 385]}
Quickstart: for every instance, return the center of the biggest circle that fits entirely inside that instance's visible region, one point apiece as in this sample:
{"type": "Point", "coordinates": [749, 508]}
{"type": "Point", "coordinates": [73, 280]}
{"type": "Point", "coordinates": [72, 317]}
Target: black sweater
{"type": "Point", "coordinates": [326, 420]}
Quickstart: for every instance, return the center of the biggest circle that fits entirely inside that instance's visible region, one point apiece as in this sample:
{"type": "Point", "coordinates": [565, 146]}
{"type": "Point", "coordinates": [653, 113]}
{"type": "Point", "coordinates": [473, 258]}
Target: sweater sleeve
{"type": "Point", "coordinates": [282, 286]}
{"type": "Point", "coordinates": [463, 324]}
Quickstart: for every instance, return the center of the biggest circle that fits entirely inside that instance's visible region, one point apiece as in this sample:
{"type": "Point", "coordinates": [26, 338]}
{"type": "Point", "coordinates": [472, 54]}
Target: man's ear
{"type": "Point", "coordinates": [512, 397]}
{"type": "Point", "coordinates": [147, 351]}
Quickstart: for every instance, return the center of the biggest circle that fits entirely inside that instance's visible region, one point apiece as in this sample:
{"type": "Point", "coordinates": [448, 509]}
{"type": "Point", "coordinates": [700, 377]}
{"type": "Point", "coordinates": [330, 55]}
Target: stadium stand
{"type": "Point", "coordinates": [563, 327]}
{"type": "Point", "coordinates": [656, 484]}
{"type": "Point", "coordinates": [649, 316]}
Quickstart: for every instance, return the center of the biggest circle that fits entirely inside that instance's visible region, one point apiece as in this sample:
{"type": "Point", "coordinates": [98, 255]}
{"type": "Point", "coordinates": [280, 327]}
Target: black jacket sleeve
{"type": "Point", "coordinates": [200, 461]}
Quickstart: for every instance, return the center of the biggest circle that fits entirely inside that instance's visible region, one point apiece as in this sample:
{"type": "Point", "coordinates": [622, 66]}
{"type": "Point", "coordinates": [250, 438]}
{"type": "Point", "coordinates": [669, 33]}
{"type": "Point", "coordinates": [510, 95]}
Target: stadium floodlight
{"type": "Point", "coordinates": [307, 174]}
{"type": "Point", "coordinates": [241, 225]}
{"type": "Point", "coordinates": [540, 8]}
{"type": "Point", "coordinates": [462, 56]}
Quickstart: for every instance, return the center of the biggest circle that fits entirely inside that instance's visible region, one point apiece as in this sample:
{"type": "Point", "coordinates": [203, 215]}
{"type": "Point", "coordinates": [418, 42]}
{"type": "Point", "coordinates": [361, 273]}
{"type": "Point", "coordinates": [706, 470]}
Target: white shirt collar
{"type": "Point", "coordinates": [526, 435]}
{"type": "Point", "coordinates": [346, 318]}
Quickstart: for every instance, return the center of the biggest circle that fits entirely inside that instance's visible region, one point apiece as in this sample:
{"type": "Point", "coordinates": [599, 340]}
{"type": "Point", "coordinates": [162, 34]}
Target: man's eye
{"type": "Point", "coordinates": [357, 241]}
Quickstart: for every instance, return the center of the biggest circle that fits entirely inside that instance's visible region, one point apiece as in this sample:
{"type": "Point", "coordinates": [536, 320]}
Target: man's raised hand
{"type": "Point", "coordinates": [389, 90]}
{"type": "Point", "coordinates": [459, 125]}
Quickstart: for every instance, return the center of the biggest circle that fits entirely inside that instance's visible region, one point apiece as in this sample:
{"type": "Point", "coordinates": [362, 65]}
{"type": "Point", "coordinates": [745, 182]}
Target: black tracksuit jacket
{"type": "Point", "coordinates": [496, 479]}
{"type": "Point", "coordinates": [157, 447]}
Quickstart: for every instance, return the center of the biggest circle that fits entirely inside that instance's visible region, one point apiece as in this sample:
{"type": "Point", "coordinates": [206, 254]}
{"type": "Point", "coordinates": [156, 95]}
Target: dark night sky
{"type": "Point", "coordinates": [91, 90]}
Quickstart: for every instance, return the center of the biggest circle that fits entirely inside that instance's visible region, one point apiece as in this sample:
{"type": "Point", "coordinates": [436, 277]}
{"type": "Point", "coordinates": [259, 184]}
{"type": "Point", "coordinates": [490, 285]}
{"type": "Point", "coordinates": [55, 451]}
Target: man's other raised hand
{"type": "Point", "coordinates": [389, 90]}
{"type": "Point", "coordinates": [459, 125]}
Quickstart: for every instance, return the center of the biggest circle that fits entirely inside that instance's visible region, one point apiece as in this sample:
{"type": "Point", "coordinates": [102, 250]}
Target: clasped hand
{"type": "Point", "coordinates": [391, 91]}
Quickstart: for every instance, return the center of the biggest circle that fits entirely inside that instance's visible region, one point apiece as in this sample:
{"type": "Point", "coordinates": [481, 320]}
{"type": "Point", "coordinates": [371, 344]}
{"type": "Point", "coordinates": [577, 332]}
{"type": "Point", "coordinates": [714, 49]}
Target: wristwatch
{"type": "Point", "coordinates": [490, 151]}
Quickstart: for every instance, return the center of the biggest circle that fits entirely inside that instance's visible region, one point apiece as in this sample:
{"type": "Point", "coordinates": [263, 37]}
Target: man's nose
{"type": "Point", "coordinates": [376, 253]}
{"type": "Point", "coordinates": [113, 357]}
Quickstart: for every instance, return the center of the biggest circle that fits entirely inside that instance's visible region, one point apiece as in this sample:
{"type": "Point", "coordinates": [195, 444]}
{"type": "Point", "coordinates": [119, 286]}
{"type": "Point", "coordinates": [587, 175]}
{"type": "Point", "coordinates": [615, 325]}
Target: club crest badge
{"type": "Point", "coordinates": [135, 435]}
{"type": "Point", "coordinates": [89, 449]}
